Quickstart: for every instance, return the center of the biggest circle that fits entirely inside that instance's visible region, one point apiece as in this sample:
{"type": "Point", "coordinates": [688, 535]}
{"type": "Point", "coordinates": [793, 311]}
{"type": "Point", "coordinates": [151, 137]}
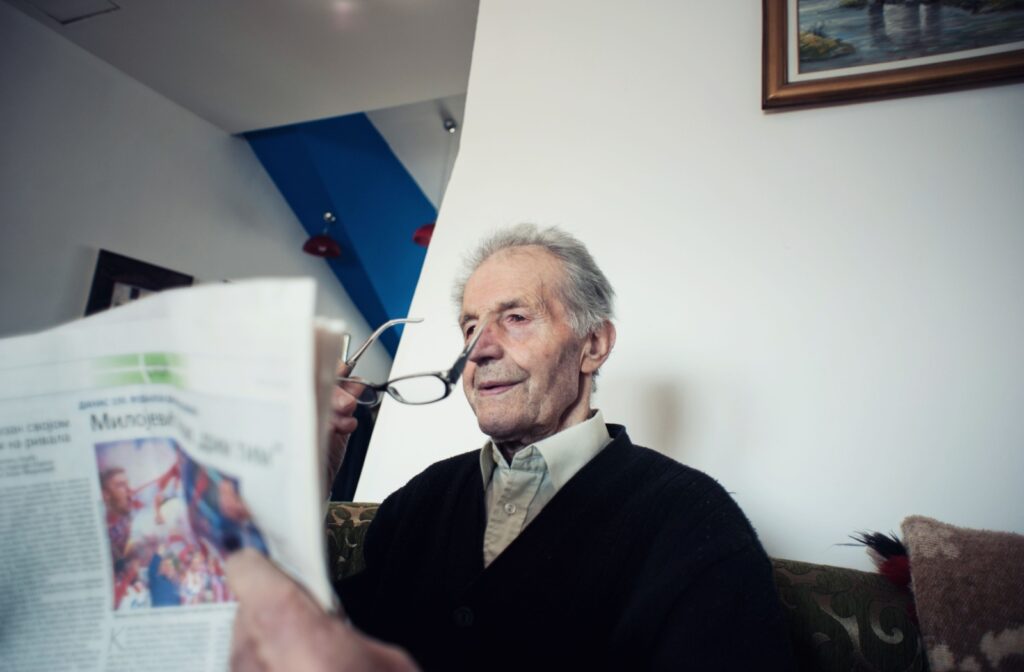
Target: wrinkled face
{"type": "Point", "coordinates": [117, 494]}
{"type": "Point", "coordinates": [523, 378]}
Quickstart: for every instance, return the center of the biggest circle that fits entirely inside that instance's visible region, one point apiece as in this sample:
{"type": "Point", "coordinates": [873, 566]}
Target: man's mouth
{"type": "Point", "coordinates": [492, 388]}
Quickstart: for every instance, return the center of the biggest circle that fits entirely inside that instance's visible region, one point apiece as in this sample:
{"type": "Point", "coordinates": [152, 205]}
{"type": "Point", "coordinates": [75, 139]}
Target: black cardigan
{"type": "Point", "coordinates": [638, 562]}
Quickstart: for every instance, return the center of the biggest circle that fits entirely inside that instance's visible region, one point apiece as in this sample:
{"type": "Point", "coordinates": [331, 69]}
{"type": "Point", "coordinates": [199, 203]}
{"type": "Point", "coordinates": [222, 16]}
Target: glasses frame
{"type": "Point", "coordinates": [350, 362]}
{"type": "Point", "coordinates": [449, 378]}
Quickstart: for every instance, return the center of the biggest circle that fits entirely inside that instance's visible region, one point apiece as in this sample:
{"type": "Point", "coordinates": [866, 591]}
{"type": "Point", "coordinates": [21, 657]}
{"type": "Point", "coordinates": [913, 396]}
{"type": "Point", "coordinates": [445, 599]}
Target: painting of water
{"type": "Point", "coordinates": [817, 52]}
{"type": "Point", "coordinates": [842, 34]}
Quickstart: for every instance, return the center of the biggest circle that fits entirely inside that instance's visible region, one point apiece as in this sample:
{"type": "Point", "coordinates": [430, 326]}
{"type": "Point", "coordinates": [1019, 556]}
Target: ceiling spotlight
{"type": "Point", "coordinates": [450, 125]}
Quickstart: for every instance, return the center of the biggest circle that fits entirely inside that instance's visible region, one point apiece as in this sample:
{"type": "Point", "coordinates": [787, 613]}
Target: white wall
{"type": "Point", "coordinates": [90, 159]}
{"type": "Point", "coordinates": [822, 308]}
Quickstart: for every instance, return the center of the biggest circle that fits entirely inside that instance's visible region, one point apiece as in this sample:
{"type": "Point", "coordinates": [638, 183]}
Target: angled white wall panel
{"type": "Point", "coordinates": [821, 308]}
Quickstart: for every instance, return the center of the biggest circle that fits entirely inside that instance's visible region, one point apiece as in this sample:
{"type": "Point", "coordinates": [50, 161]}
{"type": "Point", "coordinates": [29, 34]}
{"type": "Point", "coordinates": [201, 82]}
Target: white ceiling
{"type": "Point", "coordinates": [250, 64]}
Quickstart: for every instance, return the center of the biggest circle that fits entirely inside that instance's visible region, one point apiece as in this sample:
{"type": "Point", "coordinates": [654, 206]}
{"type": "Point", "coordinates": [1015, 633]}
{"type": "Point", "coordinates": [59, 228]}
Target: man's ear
{"type": "Point", "coordinates": [597, 347]}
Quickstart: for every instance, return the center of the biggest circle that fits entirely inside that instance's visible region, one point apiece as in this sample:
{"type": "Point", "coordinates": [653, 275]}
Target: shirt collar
{"type": "Point", "coordinates": [565, 453]}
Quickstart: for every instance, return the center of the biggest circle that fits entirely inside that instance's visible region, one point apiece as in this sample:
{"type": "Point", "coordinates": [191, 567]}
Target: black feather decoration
{"type": "Point", "coordinates": [890, 557]}
{"type": "Point", "coordinates": [885, 545]}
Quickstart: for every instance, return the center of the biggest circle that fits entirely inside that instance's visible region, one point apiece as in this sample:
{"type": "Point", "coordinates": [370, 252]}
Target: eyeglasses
{"type": "Point", "coordinates": [350, 362]}
{"type": "Point", "coordinates": [416, 389]}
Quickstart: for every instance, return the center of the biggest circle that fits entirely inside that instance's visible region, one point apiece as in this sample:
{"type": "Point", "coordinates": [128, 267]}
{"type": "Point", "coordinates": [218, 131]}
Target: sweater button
{"type": "Point", "coordinates": [463, 617]}
{"type": "Point", "coordinates": [510, 508]}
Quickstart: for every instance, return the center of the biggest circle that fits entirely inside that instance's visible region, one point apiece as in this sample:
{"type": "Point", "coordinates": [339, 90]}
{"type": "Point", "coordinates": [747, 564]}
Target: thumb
{"type": "Point", "coordinates": [275, 616]}
{"type": "Point", "coordinates": [257, 582]}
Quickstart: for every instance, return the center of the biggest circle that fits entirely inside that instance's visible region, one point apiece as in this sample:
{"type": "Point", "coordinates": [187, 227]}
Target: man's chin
{"type": "Point", "coordinates": [500, 430]}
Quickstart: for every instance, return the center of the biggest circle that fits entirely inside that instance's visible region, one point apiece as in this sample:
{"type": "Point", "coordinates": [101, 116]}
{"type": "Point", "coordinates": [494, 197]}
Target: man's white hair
{"type": "Point", "coordinates": [586, 293]}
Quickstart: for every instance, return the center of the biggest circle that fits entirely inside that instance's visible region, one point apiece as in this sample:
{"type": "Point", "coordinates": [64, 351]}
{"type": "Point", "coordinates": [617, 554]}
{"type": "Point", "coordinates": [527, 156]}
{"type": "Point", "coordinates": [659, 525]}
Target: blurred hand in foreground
{"type": "Point", "coordinates": [278, 626]}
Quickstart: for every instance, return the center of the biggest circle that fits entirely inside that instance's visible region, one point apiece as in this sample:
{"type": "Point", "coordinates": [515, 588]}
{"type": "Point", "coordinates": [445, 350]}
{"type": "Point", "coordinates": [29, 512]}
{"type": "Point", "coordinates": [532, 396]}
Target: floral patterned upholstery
{"type": "Point", "coordinates": [845, 619]}
{"type": "Point", "coordinates": [346, 526]}
{"type": "Point", "coordinates": [839, 618]}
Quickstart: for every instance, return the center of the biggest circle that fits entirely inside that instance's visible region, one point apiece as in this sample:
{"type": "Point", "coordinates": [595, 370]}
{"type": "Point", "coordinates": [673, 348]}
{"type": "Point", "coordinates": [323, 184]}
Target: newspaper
{"type": "Point", "coordinates": [137, 448]}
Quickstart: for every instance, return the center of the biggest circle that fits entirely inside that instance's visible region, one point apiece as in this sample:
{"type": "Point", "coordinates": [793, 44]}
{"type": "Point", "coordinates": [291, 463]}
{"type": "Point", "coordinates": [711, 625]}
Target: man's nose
{"type": "Point", "coordinates": [489, 345]}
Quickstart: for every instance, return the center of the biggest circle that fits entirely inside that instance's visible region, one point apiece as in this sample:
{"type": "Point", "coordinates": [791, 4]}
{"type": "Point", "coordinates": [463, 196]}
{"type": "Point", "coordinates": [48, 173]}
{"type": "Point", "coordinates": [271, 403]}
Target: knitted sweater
{"type": "Point", "coordinates": [637, 563]}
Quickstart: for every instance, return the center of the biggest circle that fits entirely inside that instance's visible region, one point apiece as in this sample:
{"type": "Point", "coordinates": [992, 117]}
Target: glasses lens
{"type": "Point", "coordinates": [365, 395]}
{"type": "Point", "coordinates": [418, 389]}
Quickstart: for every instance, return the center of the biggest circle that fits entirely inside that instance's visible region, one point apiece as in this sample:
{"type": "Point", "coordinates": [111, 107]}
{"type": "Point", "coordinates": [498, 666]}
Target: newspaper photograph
{"type": "Point", "coordinates": [169, 523]}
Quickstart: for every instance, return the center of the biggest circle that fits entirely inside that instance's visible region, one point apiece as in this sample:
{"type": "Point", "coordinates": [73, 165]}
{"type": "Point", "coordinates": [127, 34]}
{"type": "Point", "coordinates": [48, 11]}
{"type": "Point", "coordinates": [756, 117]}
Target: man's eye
{"type": "Point", "coordinates": [516, 318]}
{"type": "Point", "coordinates": [469, 330]}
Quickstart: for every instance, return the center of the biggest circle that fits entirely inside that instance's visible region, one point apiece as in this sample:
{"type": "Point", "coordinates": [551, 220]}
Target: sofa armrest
{"type": "Point", "coordinates": [846, 619]}
{"type": "Point", "coordinates": [346, 526]}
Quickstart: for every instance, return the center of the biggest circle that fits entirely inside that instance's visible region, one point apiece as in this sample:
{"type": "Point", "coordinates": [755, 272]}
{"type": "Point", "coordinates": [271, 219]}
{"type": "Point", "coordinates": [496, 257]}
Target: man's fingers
{"type": "Point", "coordinates": [279, 627]}
{"type": "Point", "coordinates": [343, 421]}
{"type": "Point", "coordinates": [245, 648]}
{"type": "Point", "coordinates": [275, 614]}
{"type": "Point", "coordinates": [255, 581]}
{"type": "Point", "coordinates": [344, 425]}
{"type": "Point", "coordinates": [343, 399]}
{"type": "Point", "coordinates": [244, 570]}
{"type": "Point", "coordinates": [343, 407]}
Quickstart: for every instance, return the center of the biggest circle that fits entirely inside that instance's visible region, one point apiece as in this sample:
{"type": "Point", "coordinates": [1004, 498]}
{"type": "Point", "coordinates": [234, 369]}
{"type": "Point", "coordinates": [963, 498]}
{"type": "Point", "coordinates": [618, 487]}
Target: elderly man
{"type": "Point", "coordinates": [560, 544]}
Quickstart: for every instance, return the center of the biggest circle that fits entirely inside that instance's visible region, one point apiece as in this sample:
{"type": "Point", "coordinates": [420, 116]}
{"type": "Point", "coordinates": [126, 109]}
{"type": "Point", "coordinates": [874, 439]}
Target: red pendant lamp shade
{"type": "Point", "coordinates": [322, 245]}
{"type": "Point", "coordinates": [423, 234]}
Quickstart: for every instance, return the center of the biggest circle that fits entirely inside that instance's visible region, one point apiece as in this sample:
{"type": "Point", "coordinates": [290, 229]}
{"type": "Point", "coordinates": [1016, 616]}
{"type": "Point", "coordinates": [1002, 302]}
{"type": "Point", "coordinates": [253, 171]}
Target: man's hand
{"type": "Point", "coordinates": [342, 424]}
{"type": "Point", "coordinates": [278, 626]}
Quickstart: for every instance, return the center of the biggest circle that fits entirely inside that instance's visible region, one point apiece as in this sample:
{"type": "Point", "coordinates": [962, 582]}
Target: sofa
{"type": "Point", "coordinates": [840, 619]}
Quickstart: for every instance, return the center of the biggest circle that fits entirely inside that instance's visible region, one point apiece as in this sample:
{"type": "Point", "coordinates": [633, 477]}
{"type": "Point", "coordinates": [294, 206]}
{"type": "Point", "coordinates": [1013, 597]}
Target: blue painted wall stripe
{"type": "Point", "coordinates": [343, 165]}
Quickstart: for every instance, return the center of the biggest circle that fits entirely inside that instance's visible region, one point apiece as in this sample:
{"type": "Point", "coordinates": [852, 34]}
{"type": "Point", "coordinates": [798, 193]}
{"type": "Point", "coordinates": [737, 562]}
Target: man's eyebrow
{"type": "Point", "coordinates": [507, 304]}
{"type": "Point", "coordinates": [511, 303]}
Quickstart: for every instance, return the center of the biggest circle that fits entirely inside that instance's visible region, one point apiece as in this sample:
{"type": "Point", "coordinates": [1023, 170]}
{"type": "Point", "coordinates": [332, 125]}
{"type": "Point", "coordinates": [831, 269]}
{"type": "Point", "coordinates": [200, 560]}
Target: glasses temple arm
{"type": "Point", "coordinates": [454, 373]}
{"type": "Point", "coordinates": [350, 362]}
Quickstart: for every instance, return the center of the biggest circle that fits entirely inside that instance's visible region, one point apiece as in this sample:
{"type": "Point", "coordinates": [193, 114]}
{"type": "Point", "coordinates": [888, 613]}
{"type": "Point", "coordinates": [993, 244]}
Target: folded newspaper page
{"type": "Point", "coordinates": [140, 445]}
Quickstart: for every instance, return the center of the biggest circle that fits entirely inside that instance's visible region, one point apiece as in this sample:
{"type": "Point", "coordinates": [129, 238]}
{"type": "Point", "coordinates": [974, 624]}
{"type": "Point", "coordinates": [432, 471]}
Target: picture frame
{"type": "Point", "coordinates": [784, 87]}
{"type": "Point", "coordinates": [119, 279]}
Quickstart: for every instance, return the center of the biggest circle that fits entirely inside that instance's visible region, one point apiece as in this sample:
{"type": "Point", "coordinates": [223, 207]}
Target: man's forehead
{"type": "Point", "coordinates": [516, 277]}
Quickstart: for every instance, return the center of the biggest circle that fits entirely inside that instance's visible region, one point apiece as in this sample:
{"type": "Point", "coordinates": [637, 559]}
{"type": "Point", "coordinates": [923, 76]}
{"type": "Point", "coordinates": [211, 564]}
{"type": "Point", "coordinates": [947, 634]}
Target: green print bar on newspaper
{"type": "Point", "coordinates": [149, 368]}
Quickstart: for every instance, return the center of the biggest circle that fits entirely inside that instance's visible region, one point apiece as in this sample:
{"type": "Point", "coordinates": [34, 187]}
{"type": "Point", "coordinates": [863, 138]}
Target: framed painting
{"type": "Point", "coordinates": [119, 279]}
{"type": "Point", "coordinates": [827, 51]}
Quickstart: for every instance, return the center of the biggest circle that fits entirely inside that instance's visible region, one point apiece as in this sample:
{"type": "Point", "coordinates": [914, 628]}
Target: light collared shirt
{"type": "Point", "coordinates": [516, 493]}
